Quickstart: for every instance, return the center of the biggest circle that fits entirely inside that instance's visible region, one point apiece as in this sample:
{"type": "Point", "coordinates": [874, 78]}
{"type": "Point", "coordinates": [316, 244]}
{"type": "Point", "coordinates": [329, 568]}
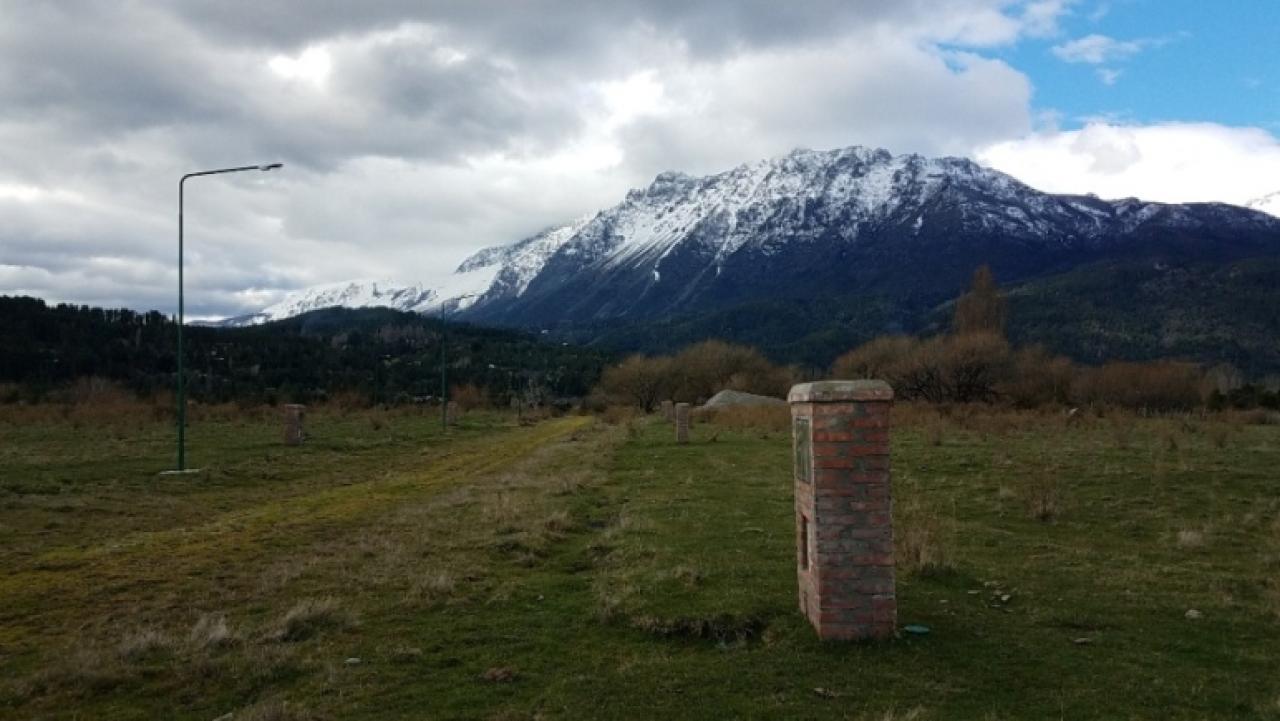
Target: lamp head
{"type": "Point", "coordinates": [270, 166]}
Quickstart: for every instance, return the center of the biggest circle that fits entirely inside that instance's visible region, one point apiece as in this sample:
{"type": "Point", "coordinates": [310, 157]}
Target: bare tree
{"type": "Point", "coordinates": [982, 309]}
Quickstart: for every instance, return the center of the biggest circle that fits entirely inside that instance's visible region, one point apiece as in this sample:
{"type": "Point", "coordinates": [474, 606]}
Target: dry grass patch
{"type": "Point", "coordinates": [1190, 538]}
{"type": "Point", "coordinates": [1042, 494]}
{"type": "Point", "coordinates": [145, 644]}
{"type": "Point", "coordinates": [211, 631]}
{"type": "Point", "coordinates": [275, 710]}
{"type": "Point", "coordinates": [310, 617]}
{"type": "Point", "coordinates": [558, 523]}
{"type": "Point", "coordinates": [767, 418]}
{"type": "Point", "coordinates": [923, 539]}
{"type": "Point", "coordinates": [1122, 430]}
{"type": "Point", "coordinates": [81, 673]}
{"type": "Point", "coordinates": [433, 587]}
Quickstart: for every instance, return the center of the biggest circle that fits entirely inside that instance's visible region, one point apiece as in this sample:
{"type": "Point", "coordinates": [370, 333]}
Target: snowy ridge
{"type": "Point", "coordinates": [1269, 203]}
{"type": "Point", "coordinates": [352, 294]}
{"type": "Point", "coordinates": [510, 268]}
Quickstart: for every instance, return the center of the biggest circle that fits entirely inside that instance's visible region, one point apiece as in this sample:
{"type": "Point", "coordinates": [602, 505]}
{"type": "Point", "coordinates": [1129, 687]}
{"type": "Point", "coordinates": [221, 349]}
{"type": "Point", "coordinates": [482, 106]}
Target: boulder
{"type": "Point", "coordinates": [730, 398]}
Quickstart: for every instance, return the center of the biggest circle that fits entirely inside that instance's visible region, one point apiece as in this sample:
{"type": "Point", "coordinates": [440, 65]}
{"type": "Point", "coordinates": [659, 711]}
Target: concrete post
{"type": "Point", "coordinates": [668, 411]}
{"type": "Point", "coordinates": [451, 413]}
{"type": "Point", "coordinates": [293, 415]}
{"type": "Point", "coordinates": [844, 508]}
{"type": "Point", "coordinates": [682, 423]}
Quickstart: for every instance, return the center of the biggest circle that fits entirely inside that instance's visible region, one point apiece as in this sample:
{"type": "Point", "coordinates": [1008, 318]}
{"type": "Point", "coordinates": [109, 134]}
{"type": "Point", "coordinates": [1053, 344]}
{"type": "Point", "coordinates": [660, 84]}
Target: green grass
{"type": "Point", "coordinates": [574, 569]}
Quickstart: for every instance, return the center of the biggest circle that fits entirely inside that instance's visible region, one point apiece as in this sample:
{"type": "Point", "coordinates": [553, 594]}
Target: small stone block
{"type": "Point", "coordinates": [682, 423]}
{"type": "Point", "coordinates": [293, 430]}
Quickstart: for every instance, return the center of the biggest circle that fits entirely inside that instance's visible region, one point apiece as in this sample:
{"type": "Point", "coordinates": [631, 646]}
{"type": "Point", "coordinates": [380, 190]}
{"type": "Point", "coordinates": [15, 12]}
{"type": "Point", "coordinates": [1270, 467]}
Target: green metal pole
{"type": "Point", "coordinates": [182, 385]}
{"type": "Point", "coordinates": [182, 379]}
{"type": "Point", "coordinates": [444, 379]}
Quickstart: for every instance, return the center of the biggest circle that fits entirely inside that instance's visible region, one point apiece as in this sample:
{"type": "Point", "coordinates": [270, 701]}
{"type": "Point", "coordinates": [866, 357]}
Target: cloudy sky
{"type": "Point", "coordinates": [415, 132]}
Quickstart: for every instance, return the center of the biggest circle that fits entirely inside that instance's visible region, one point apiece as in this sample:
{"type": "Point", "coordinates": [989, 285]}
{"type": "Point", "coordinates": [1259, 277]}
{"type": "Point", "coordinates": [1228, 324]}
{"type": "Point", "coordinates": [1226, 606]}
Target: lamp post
{"type": "Point", "coordinates": [182, 384]}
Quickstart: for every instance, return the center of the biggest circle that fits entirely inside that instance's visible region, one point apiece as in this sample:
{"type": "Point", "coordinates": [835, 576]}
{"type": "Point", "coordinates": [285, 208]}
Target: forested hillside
{"type": "Point", "coordinates": [382, 354]}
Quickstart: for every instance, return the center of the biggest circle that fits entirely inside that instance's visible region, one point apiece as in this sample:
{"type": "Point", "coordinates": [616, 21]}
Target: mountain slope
{"type": "Point", "coordinates": [851, 221]}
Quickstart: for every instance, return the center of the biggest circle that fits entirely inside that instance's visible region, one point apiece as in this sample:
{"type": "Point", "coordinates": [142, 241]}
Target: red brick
{"type": "Point", "coordinates": [847, 591]}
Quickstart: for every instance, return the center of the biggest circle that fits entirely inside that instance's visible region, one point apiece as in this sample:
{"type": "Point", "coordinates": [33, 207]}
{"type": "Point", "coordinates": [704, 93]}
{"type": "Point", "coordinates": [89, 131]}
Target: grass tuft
{"type": "Point", "coordinates": [310, 617]}
{"type": "Point", "coordinates": [1189, 538]}
{"type": "Point", "coordinates": [433, 587]}
{"type": "Point", "coordinates": [275, 710]}
{"type": "Point", "coordinates": [144, 645]}
{"type": "Point", "coordinates": [210, 631]}
{"type": "Point", "coordinates": [921, 539]}
{"type": "Point", "coordinates": [1043, 496]}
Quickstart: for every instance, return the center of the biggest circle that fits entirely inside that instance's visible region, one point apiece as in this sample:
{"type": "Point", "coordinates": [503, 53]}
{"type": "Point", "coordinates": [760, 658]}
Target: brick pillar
{"type": "Point", "coordinates": [668, 411]}
{"type": "Point", "coordinates": [293, 433]}
{"type": "Point", "coordinates": [844, 520]}
{"type": "Point", "coordinates": [682, 423]}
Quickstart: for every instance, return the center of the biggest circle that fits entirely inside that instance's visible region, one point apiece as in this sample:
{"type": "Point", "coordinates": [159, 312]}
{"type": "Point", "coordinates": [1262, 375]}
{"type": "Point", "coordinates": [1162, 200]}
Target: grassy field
{"type": "Point", "coordinates": [580, 569]}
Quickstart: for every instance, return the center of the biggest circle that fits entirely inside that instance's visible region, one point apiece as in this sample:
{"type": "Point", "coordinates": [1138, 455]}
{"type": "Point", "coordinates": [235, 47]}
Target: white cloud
{"type": "Point", "coordinates": [1109, 76]}
{"type": "Point", "coordinates": [1169, 162]}
{"type": "Point", "coordinates": [312, 65]}
{"type": "Point", "coordinates": [1097, 49]}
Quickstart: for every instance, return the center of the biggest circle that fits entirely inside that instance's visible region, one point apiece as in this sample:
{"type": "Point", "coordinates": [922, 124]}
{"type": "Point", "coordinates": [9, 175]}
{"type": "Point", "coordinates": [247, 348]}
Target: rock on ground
{"type": "Point", "coordinates": [729, 398]}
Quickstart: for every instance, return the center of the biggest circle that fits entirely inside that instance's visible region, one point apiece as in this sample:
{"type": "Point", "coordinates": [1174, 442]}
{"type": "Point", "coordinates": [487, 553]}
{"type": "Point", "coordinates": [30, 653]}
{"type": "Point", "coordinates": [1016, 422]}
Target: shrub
{"type": "Point", "coordinates": [1037, 378]}
{"type": "Point", "coordinates": [469, 397]}
{"type": "Point", "coordinates": [877, 358]}
{"type": "Point", "coordinates": [1151, 386]}
{"type": "Point", "coordinates": [704, 369]}
{"type": "Point", "coordinates": [638, 380]}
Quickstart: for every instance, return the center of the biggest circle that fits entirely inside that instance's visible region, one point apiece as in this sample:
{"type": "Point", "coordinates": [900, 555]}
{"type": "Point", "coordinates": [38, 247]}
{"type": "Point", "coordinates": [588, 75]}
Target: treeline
{"type": "Point", "coordinates": [974, 362]}
{"type": "Point", "coordinates": [381, 355]}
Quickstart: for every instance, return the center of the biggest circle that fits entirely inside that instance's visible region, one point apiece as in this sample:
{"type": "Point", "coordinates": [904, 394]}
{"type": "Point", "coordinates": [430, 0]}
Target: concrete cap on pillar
{"type": "Point", "coordinates": [837, 391]}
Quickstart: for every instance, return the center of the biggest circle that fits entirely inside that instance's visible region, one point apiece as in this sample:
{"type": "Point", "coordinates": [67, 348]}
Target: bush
{"type": "Point", "coordinates": [1037, 378]}
{"type": "Point", "coordinates": [963, 368]}
{"type": "Point", "coordinates": [638, 380]}
{"type": "Point", "coordinates": [1152, 386]}
{"type": "Point", "coordinates": [878, 358]}
{"type": "Point", "coordinates": [469, 397]}
{"type": "Point", "coordinates": [704, 369]}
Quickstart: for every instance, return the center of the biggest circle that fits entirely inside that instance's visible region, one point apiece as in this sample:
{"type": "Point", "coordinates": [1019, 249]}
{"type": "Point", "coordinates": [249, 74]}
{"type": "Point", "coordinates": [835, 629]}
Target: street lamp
{"type": "Point", "coordinates": [182, 384]}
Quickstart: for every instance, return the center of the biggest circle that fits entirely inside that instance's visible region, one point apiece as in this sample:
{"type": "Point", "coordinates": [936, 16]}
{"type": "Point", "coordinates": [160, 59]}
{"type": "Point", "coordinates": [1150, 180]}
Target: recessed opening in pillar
{"type": "Point", "coordinates": [804, 542]}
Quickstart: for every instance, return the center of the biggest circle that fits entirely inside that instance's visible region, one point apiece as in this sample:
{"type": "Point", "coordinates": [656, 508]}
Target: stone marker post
{"type": "Point", "coordinates": [844, 522]}
{"type": "Point", "coordinates": [293, 433]}
{"type": "Point", "coordinates": [668, 411]}
{"type": "Point", "coordinates": [451, 413]}
{"type": "Point", "coordinates": [682, 423]}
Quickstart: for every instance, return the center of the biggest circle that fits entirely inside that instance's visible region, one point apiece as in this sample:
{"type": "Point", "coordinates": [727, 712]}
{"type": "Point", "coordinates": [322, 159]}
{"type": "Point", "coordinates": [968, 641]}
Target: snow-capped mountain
{"type": "Point", "coordinates": [848, 222]}
{"type": "Point", "coordinates": [1269, 203]}
{"type": "Point", "coordinates": [904, 229]}
{"type": "Point", "coordinates": [352, 294]}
